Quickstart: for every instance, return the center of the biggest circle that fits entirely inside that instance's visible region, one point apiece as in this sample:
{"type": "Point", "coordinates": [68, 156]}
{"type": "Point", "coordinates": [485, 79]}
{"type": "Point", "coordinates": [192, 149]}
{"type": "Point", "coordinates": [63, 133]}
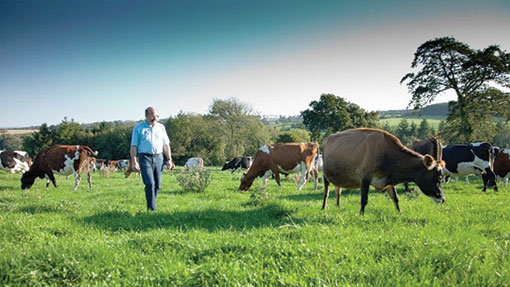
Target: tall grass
{"type": "Point", "coordinates": [103, 236]}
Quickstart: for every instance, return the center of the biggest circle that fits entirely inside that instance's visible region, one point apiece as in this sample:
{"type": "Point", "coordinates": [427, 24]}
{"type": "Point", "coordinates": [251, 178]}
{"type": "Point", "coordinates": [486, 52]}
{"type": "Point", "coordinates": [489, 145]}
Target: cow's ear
{"type": "Point", "coordinates": [428, 161]}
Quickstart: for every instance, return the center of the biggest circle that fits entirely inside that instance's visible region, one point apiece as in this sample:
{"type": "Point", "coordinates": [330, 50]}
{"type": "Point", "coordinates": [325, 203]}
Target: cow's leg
{"type": "Point", "coordinates": [467, 179]}
{"type": "Point", "coordinates": [506, 181]}
{"type": "Point", "coordinates": [303, 176]}
{"type": "Point", "coordinates": [277, 177]}
{"type": "Point", "coordinates": [52, 178]}
{"type": "Point", "coordinates": [485, 180]}
{"type": "Point", "coordinates": [338, 194]}
{"type": "Point", "coordinates": [315, 174]}
{"type": "Point", "coordinates": [76, 180]}
{"type": "Point", "coordinates": [365, 184]}
{"type": "Point", "coordinates": [264, 178]}
{"type": "Point", "coordinates": [89, 179]}
{"type": "Point", "coordinates": [406, 187]}
{"type": "Point", "coordinates": [326, 193]}
{"type": "Point", "coordinates": [47, 182]}
{"type": "Point", "coordinates": [393, 195]}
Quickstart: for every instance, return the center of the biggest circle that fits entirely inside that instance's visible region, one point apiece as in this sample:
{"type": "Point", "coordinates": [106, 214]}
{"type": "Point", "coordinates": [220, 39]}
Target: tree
{"type": "Point", "coordinates": [294, 135]}
{"type": "Point", "coordinates": [446, 64]}
{"type": "Point", "coordinates": [402, 131]}
{"type": "Point", "coordinates": [233, 116]}
{"type": "Point", "coordinates": [424, 130]}
{"type": "Point", "coordinates": [44, 138]}
{"type": "Point", "coordinates": [71, 132]}
{"type": "Point", "coordinates": [331, 114]}
{"type": "Point", "coordinates": [194, 135]}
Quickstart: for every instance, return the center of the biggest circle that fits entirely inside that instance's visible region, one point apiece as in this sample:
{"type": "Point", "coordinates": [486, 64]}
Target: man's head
{"type": "Point", "coordinates": [151, 115]}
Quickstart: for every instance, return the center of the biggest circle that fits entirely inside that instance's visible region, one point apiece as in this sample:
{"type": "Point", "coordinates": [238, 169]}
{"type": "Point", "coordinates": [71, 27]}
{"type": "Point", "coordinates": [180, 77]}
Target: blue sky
{"type": "Point", "coordinates": [109, 60]}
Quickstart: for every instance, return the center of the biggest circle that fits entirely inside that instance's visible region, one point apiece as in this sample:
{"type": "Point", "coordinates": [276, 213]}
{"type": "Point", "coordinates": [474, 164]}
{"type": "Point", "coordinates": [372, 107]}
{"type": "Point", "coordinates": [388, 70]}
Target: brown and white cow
{"type": "Point", "coordinates": [362, 157]}
{"type": "Point", "coordinates": [60, 159]}
{"type": "Point", "coordinates": [15, 161]}
{"type": "Point", "coordinates": [502, 164]}
{"type": "Point", "coordinates": [92, 163]}
{"type": "Point", "coordinates": [430, 146]}
{"type": "Point", "coordinates": [285, 158]}
{"type": "Point", "coordinates": [112, 164]}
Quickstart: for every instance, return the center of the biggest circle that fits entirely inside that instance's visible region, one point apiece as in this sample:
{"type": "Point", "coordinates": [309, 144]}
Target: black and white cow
{"type": "Point", "coordinates": [15, 161]}
{"type": "Point", "coordinates": [238, 163]}
{"type": "Point", "coordinates": [466, 159]}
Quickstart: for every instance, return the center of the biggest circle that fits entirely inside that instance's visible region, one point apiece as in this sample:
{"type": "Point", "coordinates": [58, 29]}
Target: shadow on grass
{"type": "Point", "coordinates": [209, 219]}
{"type": "Point", "coordinates": [320, 195]}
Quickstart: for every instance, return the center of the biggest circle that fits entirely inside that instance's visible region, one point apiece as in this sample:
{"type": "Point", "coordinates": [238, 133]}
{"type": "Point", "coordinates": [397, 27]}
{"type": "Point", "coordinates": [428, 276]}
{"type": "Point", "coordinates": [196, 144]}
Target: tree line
{"type": "Point", "coordinates": [231, 128]}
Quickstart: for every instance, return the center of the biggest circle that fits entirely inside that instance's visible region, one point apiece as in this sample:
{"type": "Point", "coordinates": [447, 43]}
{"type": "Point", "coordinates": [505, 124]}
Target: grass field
{"type": "Point", "coordinates": [104, 236]}
{"type": "Point", "coordinates": [395, 121]}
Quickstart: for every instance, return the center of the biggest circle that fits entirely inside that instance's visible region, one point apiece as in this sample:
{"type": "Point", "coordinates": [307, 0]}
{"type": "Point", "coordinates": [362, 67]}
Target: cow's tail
{"type": "Point", "coordinates": [88, 150]}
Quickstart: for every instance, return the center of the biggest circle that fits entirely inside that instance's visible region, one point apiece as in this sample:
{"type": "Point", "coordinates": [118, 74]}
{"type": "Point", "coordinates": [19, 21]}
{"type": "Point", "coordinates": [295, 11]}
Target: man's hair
{"type": "Point", "coordinates": [147, 110]}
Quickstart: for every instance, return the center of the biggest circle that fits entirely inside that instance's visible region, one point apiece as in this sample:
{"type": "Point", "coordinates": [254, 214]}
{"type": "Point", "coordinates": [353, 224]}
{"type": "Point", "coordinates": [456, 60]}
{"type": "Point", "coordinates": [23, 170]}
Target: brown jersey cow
{"type": "Point", "coordinates": [60, 159]}
{"type": "Point", "coordinates": [285, 158]}
{"type": "Point", "coordinates": [362, 157]}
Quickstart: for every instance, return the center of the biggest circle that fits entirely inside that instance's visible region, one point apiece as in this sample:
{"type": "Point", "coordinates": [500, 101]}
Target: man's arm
{"type": "Point", "coordinates": [134, 158]}
{"type": "Point", "coordinates": [168, 155]}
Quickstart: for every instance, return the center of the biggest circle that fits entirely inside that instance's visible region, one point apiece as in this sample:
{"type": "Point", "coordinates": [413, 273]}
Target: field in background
{"type": "Point", "coordinates": [104, 236]}
{"type": "Point", "coordinates": [17, 132]}
{"type": "Point", "coordinates": [396, 121]}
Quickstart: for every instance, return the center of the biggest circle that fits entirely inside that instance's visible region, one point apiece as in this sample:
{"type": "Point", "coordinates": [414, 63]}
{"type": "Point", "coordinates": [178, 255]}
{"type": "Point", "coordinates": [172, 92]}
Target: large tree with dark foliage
{"type": "Point", "coordinates": [447, 64]}
{"type": "Point", "coordinates": [331, 114]}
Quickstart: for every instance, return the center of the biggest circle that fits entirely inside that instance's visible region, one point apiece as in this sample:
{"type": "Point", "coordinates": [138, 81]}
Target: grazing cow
{"type": "Point", "coordinates": [92, 163]}
{"type": "Point", "coordinates": [501, 165]}
{"type": "Point", "coordinates": [282, 158]}
{"type": "Point", "coordinates": [430, 146]}
{"type": "Point", "coordinates": [362, 157]}
{"type": "Point", "coordinates": [466, 159]}
{"type": "Point", "coordinates": [112, 164]}
{"type": "Point", "coordinates": [100, 163]}
{"type": "Point", "coordinates": [194, 162]}
{"type": "Point", "coordinates": [237, 163]}
{"type": "Point", "coordinates": [60, 159]}
{"type": "Point", "coordinates": [15, 161]}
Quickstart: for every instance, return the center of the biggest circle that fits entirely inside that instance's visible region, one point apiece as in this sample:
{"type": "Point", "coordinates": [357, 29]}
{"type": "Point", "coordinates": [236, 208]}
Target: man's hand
{"type": "Point", "coordinates": [169, 164]}
{"type": "Point", "coordinates": [134, 166]}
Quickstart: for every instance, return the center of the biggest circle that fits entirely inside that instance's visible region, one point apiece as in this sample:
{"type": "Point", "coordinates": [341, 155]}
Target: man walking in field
{"type": "Point", "coordinates": [148, 143]}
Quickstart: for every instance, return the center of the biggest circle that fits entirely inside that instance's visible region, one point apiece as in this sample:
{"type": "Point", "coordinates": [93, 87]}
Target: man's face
{"type": "Point", "coordinates": [152, 116]}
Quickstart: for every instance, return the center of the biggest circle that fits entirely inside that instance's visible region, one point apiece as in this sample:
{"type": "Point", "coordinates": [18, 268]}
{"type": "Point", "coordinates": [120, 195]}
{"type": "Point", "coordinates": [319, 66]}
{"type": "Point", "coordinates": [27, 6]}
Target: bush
{"type": "Point", "coordinates": [195, 179]}
{"type": "Point", "coordinates": [258, 196]}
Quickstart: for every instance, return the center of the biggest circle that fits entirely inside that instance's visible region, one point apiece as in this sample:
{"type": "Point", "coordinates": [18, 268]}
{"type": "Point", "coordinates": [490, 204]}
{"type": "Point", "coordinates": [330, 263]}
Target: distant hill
{"type": "Point", "coordinates": [436, 111]}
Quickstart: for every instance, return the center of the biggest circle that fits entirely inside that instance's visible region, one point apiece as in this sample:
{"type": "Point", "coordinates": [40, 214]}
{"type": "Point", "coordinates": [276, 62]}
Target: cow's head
{"type": "Point", "coordinates": [27, 180]}
{"type": "Point", "coordinates": [489, 179]}
{"type": "Point", "coordinates": [429, 179]}
{"type": "Point", "coordinates": [246, 182]}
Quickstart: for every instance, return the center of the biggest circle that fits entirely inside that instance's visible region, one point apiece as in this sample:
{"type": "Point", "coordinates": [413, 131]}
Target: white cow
{"type": "Point", "coordinates": [194, 162]}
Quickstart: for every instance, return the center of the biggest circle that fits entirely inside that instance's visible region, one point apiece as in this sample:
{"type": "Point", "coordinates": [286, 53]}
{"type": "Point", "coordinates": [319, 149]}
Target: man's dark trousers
{"type": "Point", "coordinates": [151, 167]}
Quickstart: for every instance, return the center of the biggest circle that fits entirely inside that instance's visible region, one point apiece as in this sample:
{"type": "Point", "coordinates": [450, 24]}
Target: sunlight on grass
{"type": "Point", "coordinates": [223, 237]}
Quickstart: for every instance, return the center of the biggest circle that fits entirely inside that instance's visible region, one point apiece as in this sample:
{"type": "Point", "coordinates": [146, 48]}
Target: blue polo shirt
{"type": "Point", "coordinates": [149, 139]}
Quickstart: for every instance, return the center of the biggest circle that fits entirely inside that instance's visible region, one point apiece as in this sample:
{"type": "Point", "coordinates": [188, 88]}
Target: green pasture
{"type": "Point", "coordinates": [396, 121]}
{"type": "Point", "coordinates": [103, 236]}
